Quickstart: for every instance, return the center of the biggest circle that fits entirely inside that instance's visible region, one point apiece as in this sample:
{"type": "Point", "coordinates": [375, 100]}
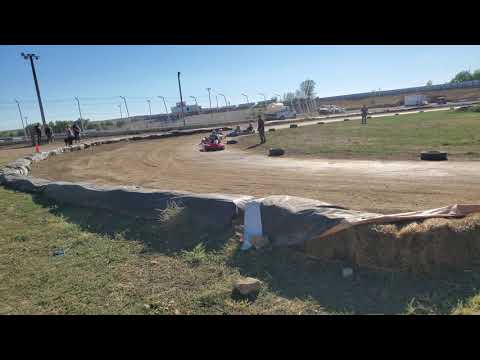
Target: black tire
{"type": "Point", "coordinates": [276, 152]}
{"type": "Point", "coordinates": [433, 155]}
{"type": "Point", "coordinates": [369, 117]}
{"type": "Point", "coordinates": [282, 117]}
{"type": "Point", "coordinates": [320, 123]}
{"type": "Point", "coordinates": [346, 119]}
{"type": "Point", "coordinates": [396, 114]}
{"type": "Point", "coordinates": [292, 126]}
{"type": "Point", "coordinates": [230, 142]}
{"type": "Point", "coordinates": [272, 129]}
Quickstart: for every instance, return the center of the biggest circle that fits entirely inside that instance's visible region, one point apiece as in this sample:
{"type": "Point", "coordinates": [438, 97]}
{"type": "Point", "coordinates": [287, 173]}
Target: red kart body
{"type": "Point", "coordinates": [207, 145]}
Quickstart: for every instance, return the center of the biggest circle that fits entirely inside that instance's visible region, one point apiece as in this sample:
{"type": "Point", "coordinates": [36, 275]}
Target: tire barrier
{"type": "Point", "coordinates": [276, 152]}
{"type": "Point", "coordinates": [433, 155]}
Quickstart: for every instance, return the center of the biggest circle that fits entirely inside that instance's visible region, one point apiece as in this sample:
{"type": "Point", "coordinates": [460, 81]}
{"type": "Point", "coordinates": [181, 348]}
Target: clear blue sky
{"type": "Point", "coordinates": [99, 74]}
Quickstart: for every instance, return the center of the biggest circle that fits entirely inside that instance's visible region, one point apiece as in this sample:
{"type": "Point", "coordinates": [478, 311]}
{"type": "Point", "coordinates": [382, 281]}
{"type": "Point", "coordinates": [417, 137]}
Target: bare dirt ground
{"type": "Point", "coordinates": [177, 164]}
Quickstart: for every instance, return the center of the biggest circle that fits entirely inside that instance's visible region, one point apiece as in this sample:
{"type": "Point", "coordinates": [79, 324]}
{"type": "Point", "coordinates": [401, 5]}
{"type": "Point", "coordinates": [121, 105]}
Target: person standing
{"type": "Point", "coordinates": [69, 136]}
{"type": "Point", "coordinates": [38, 133]}
{"type": "Point", "coordinates": [364, 114]}
{"type": "Point", "coordinates": [261, 129]}
{"type": "Point", "coordinates": [76, 132]}
{"type": "Point", "coordinates": [48, 133]}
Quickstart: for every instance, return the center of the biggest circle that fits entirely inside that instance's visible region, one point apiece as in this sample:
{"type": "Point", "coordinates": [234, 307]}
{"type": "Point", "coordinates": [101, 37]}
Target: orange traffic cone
{"type": "Point", "coordinates": [37, 148]}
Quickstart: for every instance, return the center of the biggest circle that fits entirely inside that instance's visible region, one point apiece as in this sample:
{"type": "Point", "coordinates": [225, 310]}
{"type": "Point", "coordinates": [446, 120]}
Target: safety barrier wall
{"type": "Point", "coordinates": [462, 85]}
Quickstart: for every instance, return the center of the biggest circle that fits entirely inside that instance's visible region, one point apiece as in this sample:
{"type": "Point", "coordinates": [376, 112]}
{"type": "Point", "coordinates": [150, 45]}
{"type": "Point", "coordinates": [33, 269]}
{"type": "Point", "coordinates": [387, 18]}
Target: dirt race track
{"type": "Point", "coordinates": [177, 164]}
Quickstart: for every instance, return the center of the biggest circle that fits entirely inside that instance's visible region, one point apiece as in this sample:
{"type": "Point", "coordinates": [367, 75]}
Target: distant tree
{"type": "Point", "coordinates": [108, 123]}
{"type": "Point", "coordinates": [307, 88]}
{"type": "Point", "coordinates": [429, 83]}
{"type": "Point", "coordinates": [476, 75]}
{"type": "Point", "coordinates": [119, 123]}
{"type": "Point", "coordinates": [299, 94]}
{"type": "Point", "coordinates": [462, 76]}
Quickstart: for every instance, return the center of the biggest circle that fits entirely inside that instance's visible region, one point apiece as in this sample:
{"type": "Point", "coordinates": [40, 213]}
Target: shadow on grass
{"type": "Point", "coordinates": [287, 272]}
{"type": "Point", "coordinates": [292, 275]}
{"type": "Point", "coordinates": [181, 232]}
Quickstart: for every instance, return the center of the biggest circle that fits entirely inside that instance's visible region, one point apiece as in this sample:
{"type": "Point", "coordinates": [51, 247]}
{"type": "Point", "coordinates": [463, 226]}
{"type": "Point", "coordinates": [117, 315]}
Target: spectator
{"type": "Point", "coordinates": [76, 132]}
{"type": "Point", "coordinates": [48, 134]}
{"type": "Point", "coordinates": [69, 136]}
{"type": "Point", "coordinates": [364, 114]}
{"type": "Point", "coordinates": [261, 129]}
{"type": "Point", "coordinates": [38, 133]}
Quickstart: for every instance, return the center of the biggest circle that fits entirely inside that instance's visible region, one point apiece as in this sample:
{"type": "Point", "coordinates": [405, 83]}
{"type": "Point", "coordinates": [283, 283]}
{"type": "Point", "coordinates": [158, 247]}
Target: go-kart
{"type": "Point", "coordinates": [207, 145]}
{"type": "Point", "coordinates": [236, 133]}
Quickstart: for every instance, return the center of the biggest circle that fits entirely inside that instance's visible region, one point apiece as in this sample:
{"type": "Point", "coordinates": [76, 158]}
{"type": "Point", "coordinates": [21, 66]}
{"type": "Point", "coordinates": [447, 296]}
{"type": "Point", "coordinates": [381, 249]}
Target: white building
{"type": "Point", "coordinates": [187, 109]}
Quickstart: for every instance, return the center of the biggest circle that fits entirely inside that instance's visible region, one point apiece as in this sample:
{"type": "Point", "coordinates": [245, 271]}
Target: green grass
{"type": "Point", "coordinates": [120, 265]}
{"type": "Point", "coordinates": [393, 137]}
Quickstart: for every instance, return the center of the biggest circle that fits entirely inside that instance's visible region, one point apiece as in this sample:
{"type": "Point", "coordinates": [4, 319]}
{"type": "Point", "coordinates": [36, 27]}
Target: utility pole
{"type": "Point", "coordinates": [210, 102]}
{"type": "Point", "coordinates": [245, 97]}
{"type": "Point", "coordinates": [181, 99]}
{"type": "Point", "coordinates": [120, 107]}
{"type": "Point", "coordinates": [37, 88]}
{"type": "Point", "coordinates": [21, 118]}
{"type": "Point", "coordinates": [216, 98]}
{"type": "Point", "coordinates": [149, 107]}
{"type": "Point", "coordinates": [80, 111]}
{"type": "Point", "coordinates": [279, 97]}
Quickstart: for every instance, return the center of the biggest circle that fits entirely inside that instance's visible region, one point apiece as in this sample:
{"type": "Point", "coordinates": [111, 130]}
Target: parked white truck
{"type": "Point", "coordinates": [415, 100]}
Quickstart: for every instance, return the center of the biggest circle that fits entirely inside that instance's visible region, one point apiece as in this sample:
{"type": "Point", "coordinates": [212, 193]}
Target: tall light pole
{"type": "Point", "coordinates": [264, 97]}
{"type": "Point", "coordinates": [37, 88]}
{"type": "Point", "coordinates": [216, 98]}
{"type": "Point", "coordinates": [164, 103]}
{"type": "Point", "coordinates": [80, 112]}
{"type": "Point", "coordinates": [181, 99]}
{"type": "Point", "coordinates": [224, 98]}
{"type": "Point", "coordinates": [194, 98]}
{"type": "Point", "coordinates": [245, 96]}
{"type": "Point", "coordinates": [126, 107]}
{"type": "Point", "coordinates": [279, 96]}
{"type": "Point", "coordinates": [210, 103]}
{"type": "Point", "coordinates": [120, 107]}
{"type": "Point", "coordinates": [149, 107]}
{"type": "Point", "coordinates": [21, 118]}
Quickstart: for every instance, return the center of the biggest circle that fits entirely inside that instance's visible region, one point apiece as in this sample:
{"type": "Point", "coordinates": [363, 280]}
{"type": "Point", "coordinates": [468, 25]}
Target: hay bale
{"type": "Point", "coordinates": [419, 247]}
